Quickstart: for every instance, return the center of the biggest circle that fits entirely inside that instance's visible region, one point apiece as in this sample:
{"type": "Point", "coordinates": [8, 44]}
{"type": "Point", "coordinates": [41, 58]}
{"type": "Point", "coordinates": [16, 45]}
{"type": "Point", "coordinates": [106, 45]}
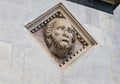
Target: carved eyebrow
{"type": "Point", "coordinates": [61, 27]}
{"type": "Point", "coordinates": [69, 29]}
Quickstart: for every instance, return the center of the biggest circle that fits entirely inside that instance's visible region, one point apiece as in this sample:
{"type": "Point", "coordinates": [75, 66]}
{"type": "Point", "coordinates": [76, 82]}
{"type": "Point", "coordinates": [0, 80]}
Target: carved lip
{"type": "Point", "coordinates": [65, 40]}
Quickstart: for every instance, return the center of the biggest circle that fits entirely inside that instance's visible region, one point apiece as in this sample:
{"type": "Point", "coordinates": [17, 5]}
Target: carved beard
{"type": "Point", "coordinates": [60, 46]}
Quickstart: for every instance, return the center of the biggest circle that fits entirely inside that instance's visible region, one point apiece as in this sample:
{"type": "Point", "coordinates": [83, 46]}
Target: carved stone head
{"type": "Point", "coordinates": [60, 37]}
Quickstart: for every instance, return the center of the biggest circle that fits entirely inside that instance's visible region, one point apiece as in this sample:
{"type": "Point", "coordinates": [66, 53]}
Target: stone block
{"type": "Point", "coordinates": [76, 10]}
{"type": "Point", "coordinates": [106, 21]}
{"type": "Point", "coordinates": [5, 53]}
{"type": "Point", "coordinates": [114, 74]}
{"type": "Point", "coordinates": [8, 75]}
{"type": "Point", "coordinates": [95, 32]}
{"type": "Point", "coordinates": [109, 39]}
{"type": "Point", "coordinates": [71, 81]}
{"type": "Point", "coordinates": [92, 17]}
{"type": "Point", "coordinates": [117, 14]}
{"type": "Point", "coordinates": [94, 66]}
{"type": "Point", "coordinates": [13, 21]}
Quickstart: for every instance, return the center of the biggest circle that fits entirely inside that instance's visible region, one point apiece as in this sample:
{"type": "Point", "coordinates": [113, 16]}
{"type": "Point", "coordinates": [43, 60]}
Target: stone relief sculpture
{"type": "Point", "coordinates": [60, 37]}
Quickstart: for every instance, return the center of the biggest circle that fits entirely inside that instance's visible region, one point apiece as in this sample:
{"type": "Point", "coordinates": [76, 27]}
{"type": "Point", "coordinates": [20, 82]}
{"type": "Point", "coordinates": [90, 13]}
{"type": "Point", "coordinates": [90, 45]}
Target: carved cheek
{"type": "Point", "coordinates": [70, 37]}
{"type": "Point", "coordinates": [56, 34]}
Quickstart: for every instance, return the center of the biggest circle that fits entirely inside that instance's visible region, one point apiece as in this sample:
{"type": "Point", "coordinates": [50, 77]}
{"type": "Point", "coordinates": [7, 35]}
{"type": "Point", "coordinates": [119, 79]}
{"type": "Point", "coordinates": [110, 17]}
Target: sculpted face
{"type": "Point", "coordinates": [62, 38]}
{"type": "Point", "coordinates": [62, 32]}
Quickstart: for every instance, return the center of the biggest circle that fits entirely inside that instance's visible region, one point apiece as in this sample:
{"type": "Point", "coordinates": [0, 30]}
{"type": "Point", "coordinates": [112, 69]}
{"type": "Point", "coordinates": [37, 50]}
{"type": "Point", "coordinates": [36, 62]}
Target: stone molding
{"type": "Point", "coordinates": [84, 40]}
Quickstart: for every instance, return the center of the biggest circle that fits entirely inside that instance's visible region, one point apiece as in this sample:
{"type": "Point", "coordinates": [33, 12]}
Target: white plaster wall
{"type": "Point", "coordinates": [24, 61]}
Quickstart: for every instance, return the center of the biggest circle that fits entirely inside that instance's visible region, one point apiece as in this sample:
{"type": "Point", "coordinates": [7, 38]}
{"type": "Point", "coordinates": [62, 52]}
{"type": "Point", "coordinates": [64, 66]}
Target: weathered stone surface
{"type": "Point", "coordinates": [71, 81]}
{"type": "Point", "coordinates": [5, 53]}
{"type": "Point", "coordinates": [8, 75]}
{"type": "Point", "coordinates": [106, 21]}
{"type": "Point", "coordinates": [23, 61]}
{"type": "Point", "coordinates": [95, 32]}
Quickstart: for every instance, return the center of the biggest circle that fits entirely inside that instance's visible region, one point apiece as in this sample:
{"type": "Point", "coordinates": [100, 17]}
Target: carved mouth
{"type": "Point", "coordinates": [65, 40]}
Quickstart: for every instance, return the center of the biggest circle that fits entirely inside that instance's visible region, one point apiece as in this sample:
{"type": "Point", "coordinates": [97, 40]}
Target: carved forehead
{"type": "Point", "coordinates": [56, 23]}
{"type": "Point", "coordinates": [59, 22]}
{"type": "Point", "coordinates": [62, 22]}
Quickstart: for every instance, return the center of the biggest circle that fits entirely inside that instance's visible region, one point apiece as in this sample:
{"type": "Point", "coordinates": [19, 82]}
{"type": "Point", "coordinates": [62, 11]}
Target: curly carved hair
{"type": "Point", "coordinates": [49, 29]}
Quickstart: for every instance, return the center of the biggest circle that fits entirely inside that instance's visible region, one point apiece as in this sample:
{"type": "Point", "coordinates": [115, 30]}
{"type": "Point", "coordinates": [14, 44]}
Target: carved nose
{"type": "Point", "coordinates": [65, 34]}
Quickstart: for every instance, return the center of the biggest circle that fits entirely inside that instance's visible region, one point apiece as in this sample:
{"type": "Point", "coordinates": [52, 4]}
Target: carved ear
{"type": "Point", "coordinates": [48, 36]}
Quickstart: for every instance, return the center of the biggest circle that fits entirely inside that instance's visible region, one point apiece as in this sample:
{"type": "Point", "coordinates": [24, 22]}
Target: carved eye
{"type": "Point", "coordinates": [61, 28]}
{"type": "Point", "coordinates": [69, 30]}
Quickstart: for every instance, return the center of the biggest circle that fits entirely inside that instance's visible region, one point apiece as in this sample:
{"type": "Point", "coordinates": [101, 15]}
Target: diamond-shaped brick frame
{"type": "Point", "coordinates": [85, 41]}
